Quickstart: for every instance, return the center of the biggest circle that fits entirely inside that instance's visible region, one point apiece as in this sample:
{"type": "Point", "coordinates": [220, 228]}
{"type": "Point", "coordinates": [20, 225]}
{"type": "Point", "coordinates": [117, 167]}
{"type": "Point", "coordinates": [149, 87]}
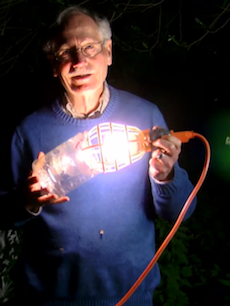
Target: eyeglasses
{"type": "Point", "coordinates": [90, 50]}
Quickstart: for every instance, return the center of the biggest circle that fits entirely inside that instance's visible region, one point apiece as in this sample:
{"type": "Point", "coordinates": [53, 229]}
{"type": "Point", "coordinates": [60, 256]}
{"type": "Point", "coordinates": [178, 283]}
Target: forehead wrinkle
{"type": "Point", "coordinates": [80, 27]}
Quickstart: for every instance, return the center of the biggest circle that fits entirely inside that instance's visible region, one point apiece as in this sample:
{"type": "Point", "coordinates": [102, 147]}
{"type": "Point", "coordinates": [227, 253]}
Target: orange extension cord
{"type": "Point", "coordinates": [184, 137]}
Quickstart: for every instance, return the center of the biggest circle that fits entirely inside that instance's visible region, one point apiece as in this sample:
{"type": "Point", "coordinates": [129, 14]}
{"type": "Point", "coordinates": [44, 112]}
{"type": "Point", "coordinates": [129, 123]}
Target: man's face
{"type": "Point", "coordinates": [80, 73]}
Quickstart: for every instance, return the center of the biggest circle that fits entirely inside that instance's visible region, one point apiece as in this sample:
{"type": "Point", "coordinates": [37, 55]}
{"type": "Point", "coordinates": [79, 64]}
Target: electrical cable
{"type": "Point", "coordinates": [184, 137]}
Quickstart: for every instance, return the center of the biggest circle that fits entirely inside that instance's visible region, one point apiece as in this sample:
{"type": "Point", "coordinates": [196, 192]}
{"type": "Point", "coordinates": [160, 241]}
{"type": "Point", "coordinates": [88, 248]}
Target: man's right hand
{"type": "Point", "coordinates": [37, 196]}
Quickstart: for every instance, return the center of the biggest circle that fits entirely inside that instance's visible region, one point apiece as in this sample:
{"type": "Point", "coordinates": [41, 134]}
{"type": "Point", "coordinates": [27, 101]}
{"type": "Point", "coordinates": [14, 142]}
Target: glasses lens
{"type": "Point", "coordinates": [92, 49]}
{"type": "Point", "coordinates": [63, 55]}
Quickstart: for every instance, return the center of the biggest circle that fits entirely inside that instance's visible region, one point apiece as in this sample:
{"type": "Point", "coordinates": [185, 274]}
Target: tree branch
{"type": "Point", "coordinates": [15, 58]}
{"type": "Point", "coordinates": [159, 29]}
{"type": "Point", "coordinates": [221, 27]}
{"type": "Point", "coordinates": [114, 13]}
{"type": "Point", "coordinates": [5, 3]}
{"type": "Point", "coordinates": [218, 17]}
{"type": "Point", "coordinates": [208, 31]}
{"type": "Point", "coordinates": [4, 19]}
{"type": "Point", "coordinates": [134, 6]}
{"type": "Point", "coordinates": [180, 20]}
{"type": "Point", "coordinates": [152, 5]}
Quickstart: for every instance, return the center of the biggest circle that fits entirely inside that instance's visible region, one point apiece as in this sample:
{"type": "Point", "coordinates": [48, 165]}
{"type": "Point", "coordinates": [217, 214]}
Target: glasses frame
{"type": "Point", "coordinates": [81, 49]}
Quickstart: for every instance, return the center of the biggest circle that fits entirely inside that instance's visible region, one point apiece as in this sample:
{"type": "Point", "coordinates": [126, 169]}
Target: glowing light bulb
{"type": "Point", "coordinates": [115, 146]}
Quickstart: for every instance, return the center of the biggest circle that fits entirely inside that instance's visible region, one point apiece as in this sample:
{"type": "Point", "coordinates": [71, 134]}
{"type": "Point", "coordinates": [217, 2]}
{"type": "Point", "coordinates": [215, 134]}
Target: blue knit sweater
{"type": "Point", "coordinates": [65, 260]}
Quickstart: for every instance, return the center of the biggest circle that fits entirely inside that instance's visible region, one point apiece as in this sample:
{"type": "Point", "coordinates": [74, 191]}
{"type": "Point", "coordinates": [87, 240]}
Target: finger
{"type": "Point", "coordinates": [160, 153]}
{"type": "Point", "coordinates": [61, 200]}
{"type": "Point", "coordinates": [52, 199]}
{"type": "Point", "coordinates": [160, 156]}
{"type": "Point", "coordinates": [176, 141]}
{"type": "Point", "coordinates": [161, 160]}
{"type": "Point", "coordinates": [155, 167]}
{"type": "Point", "coordinates": [161, 168]}
{"type": "Point", "coordinates": [40, 193]}
{"type": "Point", "coordinates": [32, 180]}
{"type": "Point", "coordinates": [41, 154]}
{"type": "Point", "coordinates": [46, 199]}
{"type": "Point", "coordinates": [167, 146]}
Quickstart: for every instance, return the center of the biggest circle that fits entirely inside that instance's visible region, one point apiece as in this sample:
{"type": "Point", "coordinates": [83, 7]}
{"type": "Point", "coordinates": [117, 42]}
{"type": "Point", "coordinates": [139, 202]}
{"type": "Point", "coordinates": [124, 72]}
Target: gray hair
{"type": "Point", "coordinates": [51, 43]}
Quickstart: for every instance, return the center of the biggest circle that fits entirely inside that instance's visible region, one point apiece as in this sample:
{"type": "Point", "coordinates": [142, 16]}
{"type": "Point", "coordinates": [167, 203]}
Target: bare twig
{"type": "Point", "coordinates": [83, 2]}
{"type": "Point", "coordinates": [12, 65]}
{"type": "Point", "coordinates": [4, 4]}
{"type": "Point", "coordinates": [159, 23]}
{"type": "Point", "coordinates": [3, 26]}
{"type": "Point", "coordinates": [180, 20]}
{"type": "Point", "coordinates": [131, 6]}
{"type": "Point", "coordinates": [16, 43]}
{"type": "Point", "coordinates": [121, 13]}
{"type": "Point", "coordinates": [208, 31]}
{"type": "Point", "coordinates": [19, 29]}
{"type": "Point", "coordinates": [210, 27]}
{"type": "Point", "coordinates": [159, 29]}
{"type": "Point", "coordinates": [152, 5]}
{"type": "Point", "coordinates": [102, 2]}
{"type": "Point", "coordinates": [7, 51]}
{"type": "Point", "coordinates": [122, 44]}
{"type": "Point", "coordinates": [15, 58]}
{"type": "Point", "coordinates": [221, 27]}
{"type": "Point", "coordinates": [5, 17]}
{"type": "Point", "coordinates": [218, 17]}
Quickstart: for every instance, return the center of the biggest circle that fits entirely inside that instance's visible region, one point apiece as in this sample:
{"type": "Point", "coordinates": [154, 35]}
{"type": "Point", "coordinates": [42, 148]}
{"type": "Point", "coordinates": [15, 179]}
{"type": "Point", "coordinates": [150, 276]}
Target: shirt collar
{"type": "Point", "coordinates": [103, 102]}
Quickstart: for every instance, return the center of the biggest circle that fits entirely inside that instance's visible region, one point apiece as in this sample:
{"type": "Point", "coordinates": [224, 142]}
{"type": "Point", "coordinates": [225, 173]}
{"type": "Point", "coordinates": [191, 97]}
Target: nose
{"type": "Point", "coordinates": [78, 59]}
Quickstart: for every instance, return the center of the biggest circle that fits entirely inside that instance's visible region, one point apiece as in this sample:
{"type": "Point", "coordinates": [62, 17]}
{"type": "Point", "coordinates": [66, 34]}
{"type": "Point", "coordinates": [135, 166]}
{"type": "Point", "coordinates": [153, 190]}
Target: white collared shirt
{"type": "Point", "coordinates": [103, 102]}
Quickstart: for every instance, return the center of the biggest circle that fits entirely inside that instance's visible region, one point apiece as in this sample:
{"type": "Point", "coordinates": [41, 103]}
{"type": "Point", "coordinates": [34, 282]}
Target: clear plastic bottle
{"type": "Point", "coordinates": [107, 147]}
{"type": "Point", "coordinates": [65, 167]}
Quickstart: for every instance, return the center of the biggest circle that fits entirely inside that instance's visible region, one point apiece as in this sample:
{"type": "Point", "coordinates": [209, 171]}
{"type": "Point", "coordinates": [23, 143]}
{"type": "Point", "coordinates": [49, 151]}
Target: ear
{"type": "Point", "coordinates": [109, 52]}
{"type": "Point", "coordinates": [51, 60]}
{"type": "Point", "coordinates": [55, 74]}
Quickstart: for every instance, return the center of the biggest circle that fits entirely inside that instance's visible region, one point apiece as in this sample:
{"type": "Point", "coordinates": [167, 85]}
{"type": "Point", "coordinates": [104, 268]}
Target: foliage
{"type": "Point", "coordinates": [175, 267]}
{"type": "Point", "coordinates": [194, 267]}
{"type": "Point", "coordinates": [147, 29]}
{"type": "Point", "coordinates": [9, 250]}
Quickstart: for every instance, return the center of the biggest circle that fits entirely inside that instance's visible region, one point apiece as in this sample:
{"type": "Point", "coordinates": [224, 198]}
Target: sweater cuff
{"type": "Point", "coordinates": [159, 182]}
{"type": "Point", "coordinates": [33, 213]}
{"type": "Point", "coordinates": [21, 215]}
{"type": "Point", "coordinates": [168, 188]}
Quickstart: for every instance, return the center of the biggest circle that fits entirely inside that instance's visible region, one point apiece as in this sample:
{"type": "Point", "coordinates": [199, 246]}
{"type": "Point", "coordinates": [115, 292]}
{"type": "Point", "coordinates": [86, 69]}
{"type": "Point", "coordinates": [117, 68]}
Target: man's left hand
{"type": "Point", "coordinates": [163, 158]}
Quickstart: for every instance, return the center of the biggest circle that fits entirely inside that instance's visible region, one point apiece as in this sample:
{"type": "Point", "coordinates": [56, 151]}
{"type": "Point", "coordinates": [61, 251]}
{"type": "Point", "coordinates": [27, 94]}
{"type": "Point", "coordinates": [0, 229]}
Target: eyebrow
{"type": "Point", "coordinates": [86, 41]}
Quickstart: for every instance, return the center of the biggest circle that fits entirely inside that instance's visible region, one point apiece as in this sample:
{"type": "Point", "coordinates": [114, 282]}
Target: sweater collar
{"type": "Point", "coordinates": [103, 102]}
{"type": "Point", "coordinates": [107, 112]}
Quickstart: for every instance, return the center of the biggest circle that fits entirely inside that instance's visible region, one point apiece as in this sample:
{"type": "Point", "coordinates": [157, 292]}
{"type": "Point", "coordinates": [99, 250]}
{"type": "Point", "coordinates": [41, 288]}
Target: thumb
{"type": "Point", "coordinates": [41, 154]}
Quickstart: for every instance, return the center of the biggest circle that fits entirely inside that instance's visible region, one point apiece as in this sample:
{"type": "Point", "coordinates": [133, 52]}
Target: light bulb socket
{"type": "Point", "coordinates": [158, 133]}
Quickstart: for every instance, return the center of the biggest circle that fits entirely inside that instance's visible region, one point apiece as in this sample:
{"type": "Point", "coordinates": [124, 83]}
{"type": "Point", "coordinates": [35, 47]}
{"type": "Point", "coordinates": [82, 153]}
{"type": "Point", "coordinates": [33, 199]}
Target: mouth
{"type": "Point", "coordinates": [81, 77]}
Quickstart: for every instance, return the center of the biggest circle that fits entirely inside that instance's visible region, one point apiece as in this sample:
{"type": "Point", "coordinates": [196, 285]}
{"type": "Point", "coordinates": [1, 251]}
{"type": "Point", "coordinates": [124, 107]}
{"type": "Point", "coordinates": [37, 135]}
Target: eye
{"type": "Point", "coordinates": [89, 47]}
{"type": "Point", "coordinates": [90, 50]}
{"type": "Point", "coordinates": [65, 52]}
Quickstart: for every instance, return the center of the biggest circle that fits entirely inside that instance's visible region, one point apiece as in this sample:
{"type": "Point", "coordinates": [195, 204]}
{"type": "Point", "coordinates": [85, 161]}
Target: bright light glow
{"type": "Point", "coordinates": [111, 146]}
{"type": "Point", "coordinates": [115, 148]}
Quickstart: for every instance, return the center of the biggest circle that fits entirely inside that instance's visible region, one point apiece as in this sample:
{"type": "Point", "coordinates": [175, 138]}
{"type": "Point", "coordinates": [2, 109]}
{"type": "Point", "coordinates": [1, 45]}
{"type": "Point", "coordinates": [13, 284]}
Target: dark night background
{"type": "Point", "coordinates": [174, 53]}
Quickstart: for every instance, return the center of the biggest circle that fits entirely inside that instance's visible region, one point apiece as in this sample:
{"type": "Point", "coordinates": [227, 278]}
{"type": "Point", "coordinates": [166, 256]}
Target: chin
{"type": "Point", "coordinates": [84, 87]}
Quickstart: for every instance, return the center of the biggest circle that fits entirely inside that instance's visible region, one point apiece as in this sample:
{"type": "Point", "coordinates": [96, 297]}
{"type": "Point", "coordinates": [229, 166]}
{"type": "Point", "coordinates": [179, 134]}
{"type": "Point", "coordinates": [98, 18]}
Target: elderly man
{"type": "Point", "coordinates": [88, 248]}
